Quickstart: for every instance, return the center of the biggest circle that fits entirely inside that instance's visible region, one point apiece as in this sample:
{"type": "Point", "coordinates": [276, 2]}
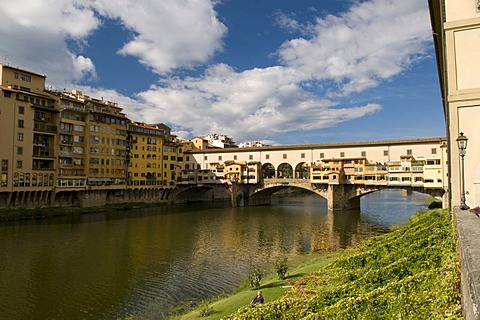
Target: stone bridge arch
{"type": "Point", "coordinates": [201, 193]}
{"type": "Point", "coordinates": [261, 195]}
{"type": "Point", "coordinates": [338, 196]}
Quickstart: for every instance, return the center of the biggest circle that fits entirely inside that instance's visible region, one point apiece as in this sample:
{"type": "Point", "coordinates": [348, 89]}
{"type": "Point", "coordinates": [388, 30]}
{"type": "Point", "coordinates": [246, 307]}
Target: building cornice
{"type": "Point", "coordinates": [324, 145]}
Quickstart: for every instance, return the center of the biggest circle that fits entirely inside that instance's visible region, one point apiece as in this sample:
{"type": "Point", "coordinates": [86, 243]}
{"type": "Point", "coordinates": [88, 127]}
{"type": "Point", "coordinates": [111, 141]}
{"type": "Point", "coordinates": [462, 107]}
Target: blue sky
{"type": "Point", "coordinates": [282, 72]}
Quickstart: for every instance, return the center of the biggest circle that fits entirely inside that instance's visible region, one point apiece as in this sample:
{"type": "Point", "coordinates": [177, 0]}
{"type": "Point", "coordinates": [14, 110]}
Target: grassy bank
{"type": "Point", "coordinates": [272, 288]}
{"type": "Point", "coordinates": [410, 273]}
{"type": "Point", "coordinates": [39, 213]}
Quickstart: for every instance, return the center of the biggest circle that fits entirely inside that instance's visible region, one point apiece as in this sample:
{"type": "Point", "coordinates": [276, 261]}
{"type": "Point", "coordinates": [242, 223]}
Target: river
{"type": "Point", "coordinates": [144, 262]}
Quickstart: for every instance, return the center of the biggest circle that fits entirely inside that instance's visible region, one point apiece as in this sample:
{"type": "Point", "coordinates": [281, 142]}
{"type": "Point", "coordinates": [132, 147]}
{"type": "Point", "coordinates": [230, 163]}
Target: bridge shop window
{"type": "Point", "coordinates": [250, 157]}
{"type": "Point", "coordinates": [434, 150]}
{"type": "Point", "coordinates": [267, 156]}
{"type": "Point", "coordinates": [284, 156]}
{"type": "Point", "coordinates": [342, 154]}
{"type": "Point", "coordinates": [322, 155]}
{"type": "Point", "coordinates": [302, 155]}
{"type": "Point", "coordinates": [364, 153]}
{"type": "Point", "coordinates": [219, 158]}
{"type": "Point", "coordinates": [409, 152]}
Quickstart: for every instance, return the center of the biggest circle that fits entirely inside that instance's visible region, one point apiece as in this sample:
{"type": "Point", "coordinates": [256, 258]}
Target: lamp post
{"type": "Point", "coordinates": [462, 147]}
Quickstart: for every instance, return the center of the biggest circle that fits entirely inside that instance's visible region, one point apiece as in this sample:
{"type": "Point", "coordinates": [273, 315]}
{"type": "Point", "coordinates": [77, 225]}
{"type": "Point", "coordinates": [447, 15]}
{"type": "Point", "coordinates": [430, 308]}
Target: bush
{"type": "Point", "coordinates": [205, 310]}
{"type": "Point", "coordinates": [281, 267]}
{"type": "Point", "coordinates": [254, 277]}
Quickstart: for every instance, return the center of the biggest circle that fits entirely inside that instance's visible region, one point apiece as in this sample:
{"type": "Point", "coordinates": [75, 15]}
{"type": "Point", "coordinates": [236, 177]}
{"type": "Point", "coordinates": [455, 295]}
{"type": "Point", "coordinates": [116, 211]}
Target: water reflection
{"type": "Point", "coordinates": [143, 262]}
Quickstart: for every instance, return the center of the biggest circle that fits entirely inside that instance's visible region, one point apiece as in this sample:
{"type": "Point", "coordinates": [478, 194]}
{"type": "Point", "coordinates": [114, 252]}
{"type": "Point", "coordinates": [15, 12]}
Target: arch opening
{"type": "Point", "coordinates": [268, 171]}
{"type": "Point", "coordinates": [285, 170]}
{"type": "Point", "coordinates": [302, 171]}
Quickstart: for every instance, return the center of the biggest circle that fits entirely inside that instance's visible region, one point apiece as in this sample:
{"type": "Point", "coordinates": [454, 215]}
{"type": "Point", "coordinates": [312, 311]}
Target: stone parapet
{"type": "Point", "coordinates": [468, 234]}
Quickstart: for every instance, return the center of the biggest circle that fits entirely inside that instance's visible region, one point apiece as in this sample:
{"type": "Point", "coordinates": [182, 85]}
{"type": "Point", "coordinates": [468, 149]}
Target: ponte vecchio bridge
{"type": "Point", "coordinates": [338, 172]}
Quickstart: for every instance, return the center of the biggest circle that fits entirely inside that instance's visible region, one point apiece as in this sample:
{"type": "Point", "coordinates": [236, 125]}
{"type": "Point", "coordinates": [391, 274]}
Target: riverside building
{"type": "Point", "coordinates": [70, 149]}
{"type": "Point", "coordinates": [29, 136]}
{"type": "Point", "coordinates": [145, 156]}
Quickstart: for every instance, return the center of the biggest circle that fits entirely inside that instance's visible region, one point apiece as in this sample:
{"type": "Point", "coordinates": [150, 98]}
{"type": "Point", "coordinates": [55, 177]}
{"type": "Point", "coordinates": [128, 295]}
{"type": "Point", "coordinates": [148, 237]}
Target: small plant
{"type": "Point", "coordinates": [254, 277]}
{"type": "Point", "coordinates": [281, 267]}
{"type": "Point", "coordinates": [205, 310]}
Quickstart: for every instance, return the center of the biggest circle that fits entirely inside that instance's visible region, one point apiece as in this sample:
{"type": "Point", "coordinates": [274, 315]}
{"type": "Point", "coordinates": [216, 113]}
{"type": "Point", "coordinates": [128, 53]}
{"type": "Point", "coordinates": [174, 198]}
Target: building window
{"type": "Point", "coordinates": [364, 153]}
{"type": "Point", "coordinates": [205, 158]}
{"type": "Point", "coordinates": [19, 164]}
{"type": "Point", "coordinates": [19, 150]}
{"type": "Point", "coordinates": [7, 94]}
{"type": "Point", "coordinates": [20, 123]}
{"type": "Point", "coordinates": [250, 157]}
{"type": "Point", "coordinates": [302, 155]}
{"type": "Point", "coordinates": [21, 109]}
{"type": "Point", "coordinates": [20, 136]}
{"type": "Point", "coordinates": [77, 127]}
{"type": "Point", "coordinates": [342, 154]}
{"type": "Point", "coordinates": [219, 158]}
{"type": "Point", "coordinates": [25, 77]}
{"type": "Point", "coordinates": [234, 157]}
{"type": "Point", "coordinates": [409, 152]}
{"type": "Point", "coordinates": [267, 156]}
{"type": "Point", "coordinates": [385, 153]}
{"type": "Point", "coordinates": [284, 156]}
{"type": "Point", "coordinates": [434, 150]}
{"type": "Point", "coordinates": [322, 155]}
{"type": "Point", "coordinates": [4, 165]}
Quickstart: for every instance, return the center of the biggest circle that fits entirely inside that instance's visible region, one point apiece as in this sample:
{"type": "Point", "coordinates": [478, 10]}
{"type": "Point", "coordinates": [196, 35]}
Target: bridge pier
{"type": "Point", "coordinates": [342, 197]}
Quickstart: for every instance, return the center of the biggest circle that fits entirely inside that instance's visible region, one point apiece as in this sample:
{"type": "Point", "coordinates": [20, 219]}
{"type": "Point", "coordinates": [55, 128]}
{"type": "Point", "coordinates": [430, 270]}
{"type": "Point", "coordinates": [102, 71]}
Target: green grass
{"type": "Point", "coordinates": [272, 288]}
{"type": "Point", "coordinates": [410, 273]}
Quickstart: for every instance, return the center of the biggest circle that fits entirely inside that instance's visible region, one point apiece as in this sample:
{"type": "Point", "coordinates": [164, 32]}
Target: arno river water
{"type": "Point", "coordinates": [144, 262]}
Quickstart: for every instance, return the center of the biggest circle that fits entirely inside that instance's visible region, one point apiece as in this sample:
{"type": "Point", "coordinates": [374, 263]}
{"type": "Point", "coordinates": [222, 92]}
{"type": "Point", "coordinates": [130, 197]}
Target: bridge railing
{"type": "Point", "coordinates": [285, 180]}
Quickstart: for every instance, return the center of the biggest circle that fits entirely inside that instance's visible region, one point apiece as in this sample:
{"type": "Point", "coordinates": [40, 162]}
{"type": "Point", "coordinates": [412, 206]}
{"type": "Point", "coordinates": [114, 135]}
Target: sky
{"type": "Point", "coordinates": [277, 71]}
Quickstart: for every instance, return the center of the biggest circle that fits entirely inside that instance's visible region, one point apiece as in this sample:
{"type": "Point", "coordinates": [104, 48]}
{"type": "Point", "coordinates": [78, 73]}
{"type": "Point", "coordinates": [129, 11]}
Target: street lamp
{"type": "Point", "coordinates": [462, 147]}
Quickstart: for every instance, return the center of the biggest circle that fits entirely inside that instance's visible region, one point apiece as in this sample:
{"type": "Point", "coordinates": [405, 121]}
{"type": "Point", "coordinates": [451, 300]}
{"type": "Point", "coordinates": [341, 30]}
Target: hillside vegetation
{"type": "Point", "coordinates": [410, 273]}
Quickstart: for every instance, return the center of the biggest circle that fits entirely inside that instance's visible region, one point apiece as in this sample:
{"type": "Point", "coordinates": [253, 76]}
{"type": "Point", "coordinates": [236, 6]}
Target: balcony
{"type": "Point", "coordinates": [44, 128]}
{"type": "Point", "coordinates": [43, 153]}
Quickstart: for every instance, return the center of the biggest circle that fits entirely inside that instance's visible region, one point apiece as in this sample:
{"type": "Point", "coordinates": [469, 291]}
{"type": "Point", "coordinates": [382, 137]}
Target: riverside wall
{"type": "Point", "coordinates": [468, 234]}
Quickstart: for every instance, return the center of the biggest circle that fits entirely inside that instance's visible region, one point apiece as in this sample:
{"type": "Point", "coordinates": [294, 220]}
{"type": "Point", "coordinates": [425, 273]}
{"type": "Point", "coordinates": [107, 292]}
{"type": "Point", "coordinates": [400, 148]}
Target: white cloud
{"type": "Point", "coordinates": [169, 34]}
{"type": "Point", "coordinates": [375, 40]}
{"type": "Point", "coordinates": [286, 22]}
{"type": "Point", "coordinates": [249, 105]}
{"type": "Point", "coordinates": [33, 35]}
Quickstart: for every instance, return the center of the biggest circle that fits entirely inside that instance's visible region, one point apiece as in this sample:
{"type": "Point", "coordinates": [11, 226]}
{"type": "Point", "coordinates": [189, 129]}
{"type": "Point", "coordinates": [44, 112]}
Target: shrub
{"type": "Point", "coordinates": [281, 267]}
{"type": "Point", "coordinates": [205, 310]}
{"type": "Point", "coordinates": [254, 277]}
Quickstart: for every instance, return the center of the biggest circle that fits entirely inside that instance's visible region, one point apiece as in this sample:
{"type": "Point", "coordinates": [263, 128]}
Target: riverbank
{"type": "Point", "coordinates": [412, 272]}
{"type": "Point", "coordinates": [40, 213]}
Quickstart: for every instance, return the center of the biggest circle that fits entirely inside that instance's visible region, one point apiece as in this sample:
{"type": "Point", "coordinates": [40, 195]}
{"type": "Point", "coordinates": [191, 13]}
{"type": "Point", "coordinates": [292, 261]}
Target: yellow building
{"type": "Point", "coordinates": [145, 156]}
{"type": "Point", "coordinates": [105, 145]}
{"type": "Point", "coordinates": [28, 118]}
{"type": "Point", "coordinates": [71, 153]}
{"type": "Point", "coordinates": [375, 174]}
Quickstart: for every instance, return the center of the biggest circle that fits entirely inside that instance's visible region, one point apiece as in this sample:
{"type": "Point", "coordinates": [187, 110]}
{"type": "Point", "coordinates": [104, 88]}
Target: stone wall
{"type": "Point", "coordinates": [468, 235]}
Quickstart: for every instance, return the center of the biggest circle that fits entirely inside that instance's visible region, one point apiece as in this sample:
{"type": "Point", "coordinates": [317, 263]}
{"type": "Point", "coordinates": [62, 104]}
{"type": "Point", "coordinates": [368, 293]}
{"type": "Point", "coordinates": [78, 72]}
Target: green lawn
{"type": "Point", "coordinates": [272, 288]}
